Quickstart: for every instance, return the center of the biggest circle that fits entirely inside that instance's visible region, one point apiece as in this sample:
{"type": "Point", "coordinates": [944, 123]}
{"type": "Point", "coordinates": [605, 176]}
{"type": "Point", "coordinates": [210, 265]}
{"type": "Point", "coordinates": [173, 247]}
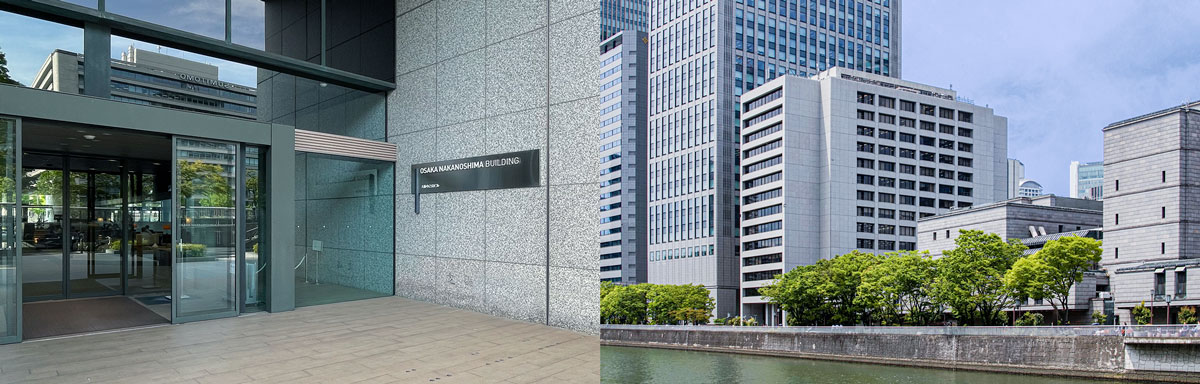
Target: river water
{"type": "Point", "coordinates": [652, 365]}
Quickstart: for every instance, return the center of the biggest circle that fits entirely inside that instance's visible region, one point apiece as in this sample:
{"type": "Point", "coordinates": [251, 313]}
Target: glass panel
{"type": "Point", "coordinates": [95, 203]}
{"type": "Point", "coordinates": [149, 268]}
{"type": "Point", "coordinates": [42, 250]}
{"type": "Point", "coordinates": [202, 17]}
{"type": "Point", "coordinates": [205, 253]}
{"type": "Point", "coordinates": [9, 299]}
{"type": "Point", "coordinates": [249, 23]}
{"type": "Point", "coordinates": [28, 43]}
{"type": "Point", "coordinates": [257, 261]}
{"type": "Point", "coordinates": [150, 74]}
{"type": "Point", "coordinates": [347, 206]}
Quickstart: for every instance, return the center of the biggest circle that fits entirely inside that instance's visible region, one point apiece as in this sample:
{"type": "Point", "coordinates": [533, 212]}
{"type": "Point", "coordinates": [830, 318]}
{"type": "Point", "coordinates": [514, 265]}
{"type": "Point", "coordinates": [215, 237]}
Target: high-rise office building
{"type": "Point", "coordinates": [1087, 180]}
{"type": "Point", "coordinates": [1151, 212]}
{"type": "Point", "coordinates": [703, 56]}
{"type": "Point", "coordinates": [1016, 174]}
{"type": "Point", "coordinates": [621, 15]}
{"type": "Point", "coordinates": [847, 161]}
{"type": "Point", "coordinates": [623, 158]}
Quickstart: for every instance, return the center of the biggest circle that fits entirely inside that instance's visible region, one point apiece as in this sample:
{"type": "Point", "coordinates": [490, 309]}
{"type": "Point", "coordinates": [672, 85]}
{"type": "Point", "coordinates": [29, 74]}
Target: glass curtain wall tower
{"type": "Point", "coordinates": [620, 15]}
{"type": "Point", "coordinates": [703, 56]}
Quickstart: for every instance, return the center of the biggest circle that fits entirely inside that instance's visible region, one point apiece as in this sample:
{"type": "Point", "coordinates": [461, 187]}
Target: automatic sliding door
{"type": "Point", "coordinates": [206, 248]}
{"type": "Point", "coordinates": [10, 240]}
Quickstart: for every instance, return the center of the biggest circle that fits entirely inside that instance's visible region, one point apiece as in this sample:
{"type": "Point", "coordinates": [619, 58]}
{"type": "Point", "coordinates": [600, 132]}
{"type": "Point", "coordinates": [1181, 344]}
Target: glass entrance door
{"type": "Point", "coordinates": [10, 239]}
{"type": "Point", "coordinates": [206, 249]}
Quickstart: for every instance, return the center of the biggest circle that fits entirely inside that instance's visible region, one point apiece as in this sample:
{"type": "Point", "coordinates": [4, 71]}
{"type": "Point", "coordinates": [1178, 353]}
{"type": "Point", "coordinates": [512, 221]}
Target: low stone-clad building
{"type": "Point", "coordinates": [1035, 221]}
{"type": "Point", "coordinates": [1152, 210]}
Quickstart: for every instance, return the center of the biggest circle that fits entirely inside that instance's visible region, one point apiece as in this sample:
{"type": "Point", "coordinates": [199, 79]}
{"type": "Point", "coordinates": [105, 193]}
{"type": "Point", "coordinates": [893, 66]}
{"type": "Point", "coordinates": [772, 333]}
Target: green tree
{"type": "Point", "coordinates": [970, 279]}
{"type": "Point", "coordinates": [4, 77]}
{"type": "Point", "coordinates": [897, 289]}
{"type": "Point", "coordinates": [1141, 314]}
{"type": "Point", "coordinates": [1051, 272]}
{"type": "Point", "coordinates": [606, 287]}
{"type": "Point", "coordinates": [823, 293]}
{"type": "Point", "coordinates": [624, 304]}
{"type": "Point", "coordinates": [1099, 317]}
{"type": "Point", "coordinates": [205, 181]}
{"type": "Point", "coordinates": [667, 301]}
{"type": "Point", "coordinates": [1186, 315]}
{"type": "Point", "coordinates": [1030, 319]}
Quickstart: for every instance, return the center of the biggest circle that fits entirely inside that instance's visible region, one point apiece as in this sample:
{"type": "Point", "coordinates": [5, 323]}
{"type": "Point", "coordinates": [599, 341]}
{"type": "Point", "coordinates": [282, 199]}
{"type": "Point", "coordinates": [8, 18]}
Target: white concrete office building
{"type": "Point", "coordinates": [847, 161]}
{"type": "Point", "coordinates": [1016, 173]}
{"type": "Point", "coordinates": [1087, 180]}
{"type": "Point", "coordinates": [1029, 188]}
{"type": "Point", "coordinates": [623, 158]}
{"type": "Point", "coordinates": [703, 56]}
{"type": "Point", "coordinates": [1152, 211]}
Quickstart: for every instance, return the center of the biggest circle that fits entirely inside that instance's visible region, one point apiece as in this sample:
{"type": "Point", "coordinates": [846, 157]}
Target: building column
{"type": "Point", "coordinates": [97, 43]}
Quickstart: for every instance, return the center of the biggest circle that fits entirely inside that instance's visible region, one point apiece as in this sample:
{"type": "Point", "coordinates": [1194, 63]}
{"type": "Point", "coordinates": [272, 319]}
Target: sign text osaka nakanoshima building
{"type": "Point", "coordinates": [506, 170]}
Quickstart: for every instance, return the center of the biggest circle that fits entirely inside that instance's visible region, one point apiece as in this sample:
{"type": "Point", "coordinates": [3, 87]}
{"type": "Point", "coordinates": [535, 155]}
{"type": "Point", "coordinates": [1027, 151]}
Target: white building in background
{"type": "Point", "coordinates": [848, 160]}
{"type": "Point", "coordinates": [1029, 188]}
{"type": "Point", "coordinates": [623, 158]}
{"type": "Point", "coordinates": [1016, 173]}
{"type": "Point", "coordinates": [1087, 180]}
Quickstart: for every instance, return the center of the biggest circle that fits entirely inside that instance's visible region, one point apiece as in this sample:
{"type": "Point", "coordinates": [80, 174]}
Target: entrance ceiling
{"type": "Point", "coordinates": [102, 143]}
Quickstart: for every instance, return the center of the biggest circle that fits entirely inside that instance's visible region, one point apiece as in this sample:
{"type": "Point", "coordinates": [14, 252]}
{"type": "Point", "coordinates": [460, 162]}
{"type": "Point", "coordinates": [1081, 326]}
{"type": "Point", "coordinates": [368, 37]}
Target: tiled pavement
{"type": "Point", "coordinates": [386, 340]}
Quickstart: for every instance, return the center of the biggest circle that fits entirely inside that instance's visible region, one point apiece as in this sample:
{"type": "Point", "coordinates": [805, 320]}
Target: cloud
{"type": "Point", "coordinates": [1060, 71]}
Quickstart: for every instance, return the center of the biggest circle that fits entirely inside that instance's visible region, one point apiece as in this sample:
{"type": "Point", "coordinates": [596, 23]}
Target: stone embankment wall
{"type": "Point", "coordinates": [1066, 351]}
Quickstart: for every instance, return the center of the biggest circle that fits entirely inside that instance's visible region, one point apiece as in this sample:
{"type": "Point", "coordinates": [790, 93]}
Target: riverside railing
{"type": "Point", "coordinates": [1155, 331]}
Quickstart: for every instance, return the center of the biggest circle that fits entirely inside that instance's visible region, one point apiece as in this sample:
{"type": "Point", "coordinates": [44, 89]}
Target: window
{"type": "Point", "coordinates": [866, 98]}
{"type": "Point", "coordinates": [946, 113]}
{"type": "Point", "coordinates": [945, 144]}
{"type": "Point", "coordinates": [887, 229]}
{"type": "Point", "coordinates": [761, 275]}
{"type": "Point", "coordinates": [866, 244]}
{"type": "Point", "coordinates": [1162, 248]}
{"type": "Point", "coordinates": [946, 159]}
{"type": "Point", "coordinates": [762, 133]}
{"type": "Point", "coordinates": [1180, 284]}
{"type": "Point", "coordinates": [866, 228]}
{"type": "Point", "coordinates": [1160, 283]}
{"type": "Point", "coordinates": [966, 117]}
{"type": "Point", "coordinates": [909, 106]}
{"type": "Point", "coordinates": [887, 150]}
{"type": "Point", "coordinates": [1164, 176]}
{"type": "Point", "coordinates": [764, 259]}
{"type": "Point", "coordinates": [907, 122]}
{"type": "Point", "coordinates": [927, 156]}
{"type": "Point", "coordinates": [947, 129]}
{"type": "Point", "coordinates": [866, 179]}
{"type": "Point", "coordinates": [1118, 184]}
{"type": "Point", "coordinates": [908, 246]}
{"type": "Point", "coordinates": [887, 182]}
{"type": "Point", "coordinates": [926, 171]}
{"type": "Point", "coordinates": [759, 181]}
{"type": "Point", "coordinates": [866, 131]}
{"type": "Point", "coordinates": [761, 165]}
{"type": "Point", "coordinates": [908, 231]}
{"type": "Point", "coordinates": [907, 200]}
{"type": "Point", "coordinates": [887, 166]}
{"type": "Point", "coordinates": [964, 176]}
{"type": "Point", "coordinates": [887, 119]}
{"type": "Point", "coordinates": [946, 189]}
{"type": "Point", "coordinates": [866, 163]}
{"type": "Point", "coordinates": [927, 202]}
{"type": "Point", "coordinates": [1164, 212]}
{"type": "Point", "coordinates": [927, 125]}
{"type": "Point", "coordinates": [866, 115]}
{"type": "Point", "coordinates": [887, 135]}
{"type": "Point", "coordinates": [908, 138]}
{"type": "Point", "coordinates": [866, 195]}
{"type": "Point", "coordinates": [762, 196]}
{"type": "Point", "coordinates": [908, 215]}
{"type": "Point", "coordinates": [965, 191]}
{"type": "Point", "coordinates": [963, 161]}
{"type": "Point", "coordinates": [908, 168]}
{"type": "Point", "coordinates": [773, 144]}
{"type": "Point", "coordinates": [964, 204]}
{"type": "Point", "coordinates": [907, 184]}
{"type": "Point", "coordinates": [887, 102]}
{"type": "Point", "coordinates": [965, 132]}
{"type": "Point", "coordinates": [926, 140]}
{"type": "Point", "coordinates": [866, 212]}
{"type": "Point", "coordinates": [762, 212]}
{"type": "Point", "coordinates": [1117, 218]}
{"type": "Point", "coordinates": [927, 109]}
{"type": "Point", "coordinates": [965, 147]}
{"type": "Point", "coordinates": [887, 198]}
{"type": "Point", "coordinates": [927, 187]}
{"type": "Point", "coordinates": [764, 227]}
{"type": "Point", "coordinates": [866, 147]}
{"type": "Point", "coordinates": [908, 153]}
{"type": "Point", "coordinates": [887, 214]}
{"type": "Point", "coordinates": [946, 174]}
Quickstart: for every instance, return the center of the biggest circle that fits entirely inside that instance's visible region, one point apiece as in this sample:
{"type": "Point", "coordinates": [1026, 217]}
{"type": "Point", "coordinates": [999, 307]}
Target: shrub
{"type": "Point", "coordinates": [1099, 317]}
{"type": "Point", "coordinates": [115, 245]}
{"type": "Point", "coordinates": [1187, 315]}
{"type": "Point", "coordinates": [1030, 319]}
{"type": "Point", "coordinates": [750, 322]}
{"type": "Point", "coordinates": [1141, 314]}
{"type": "Point", "coordinates": [192, 250]}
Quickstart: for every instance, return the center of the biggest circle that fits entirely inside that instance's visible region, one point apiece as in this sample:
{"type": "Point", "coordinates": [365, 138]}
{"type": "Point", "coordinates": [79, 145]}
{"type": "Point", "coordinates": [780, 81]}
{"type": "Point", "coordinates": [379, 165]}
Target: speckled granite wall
{"type": "Point", "coordinates": [479, 77]}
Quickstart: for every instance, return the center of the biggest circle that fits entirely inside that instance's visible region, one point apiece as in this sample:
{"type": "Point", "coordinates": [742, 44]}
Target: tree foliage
{"type": "Point", "coordinates": [1186, 315]}
{"type": "Point", "coordinates": [4, 76]}
{"type": "Point", "coordinates": [970, 279]}
{"type": "Point", "coordinates": [620, 304]}
{"type": "Point", "coordinates": [1051, 272]}
{"type": "Point", "coordinates": [1141, 314]}
{"type": "Point", "coordinates": [824, 293]}
{"type": "Point", "coordinates": [897, 291]}
{"type": "Point", "coordinates": [657, 304]}
{"type": "Point", "coordinates": [205, 181]}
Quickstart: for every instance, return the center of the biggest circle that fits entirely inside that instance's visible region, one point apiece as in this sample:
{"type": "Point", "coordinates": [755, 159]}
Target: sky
{"type": "Point", "coordinates": [1058, 70]}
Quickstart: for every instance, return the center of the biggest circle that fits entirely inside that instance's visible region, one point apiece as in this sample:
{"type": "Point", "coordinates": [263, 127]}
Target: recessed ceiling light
{"type": "Point", "coordinates": [89, 137]}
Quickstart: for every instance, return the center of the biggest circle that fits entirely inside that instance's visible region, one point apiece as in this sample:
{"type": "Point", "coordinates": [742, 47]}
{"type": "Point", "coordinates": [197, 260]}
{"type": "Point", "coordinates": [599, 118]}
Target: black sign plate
{"type": "Point", "coordinates": [506, 170]}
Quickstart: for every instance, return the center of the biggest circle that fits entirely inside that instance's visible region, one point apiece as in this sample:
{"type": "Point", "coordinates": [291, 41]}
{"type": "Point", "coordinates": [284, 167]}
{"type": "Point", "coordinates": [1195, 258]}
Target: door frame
{"type": "Point", "coordinates": [19, 232]}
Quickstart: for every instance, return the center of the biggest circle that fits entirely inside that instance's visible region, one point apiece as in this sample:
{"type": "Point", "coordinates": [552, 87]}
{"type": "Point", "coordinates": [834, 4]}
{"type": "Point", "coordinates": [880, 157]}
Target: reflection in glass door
{"type": "Point", "coordinates": [206, 248]}
{"type": "Point", "coordinates": [43, 245]}
{"type": "Point", "coordinates": [10, 250]}
{"type": "Point", "coordinates": [96, 228]}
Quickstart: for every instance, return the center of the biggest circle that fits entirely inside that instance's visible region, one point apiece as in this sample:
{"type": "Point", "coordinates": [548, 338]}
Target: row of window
{"type": "Point", "coordinates": [909, 153]}
{"type": "Point", "coordinates": [885, 245]}
{"type": "Point", "coordinates": [887, 134]}
{"type": "Point", "coordinates": [886, 229]}
{"type": "Point", "coordinates": [890, 213]}
{"type": "Point", "coordinates": [889, 166]}
{"type": "Point", "coordinates": [761, 275]}
{"type": "Point", "coordinates": [911, 200]}
{"type": "Point", "coordinates": [681, 253]}
{"type": "Point", "coordinates": [912, 123]}
{"type": "Point", "coordinates": [910, 106]}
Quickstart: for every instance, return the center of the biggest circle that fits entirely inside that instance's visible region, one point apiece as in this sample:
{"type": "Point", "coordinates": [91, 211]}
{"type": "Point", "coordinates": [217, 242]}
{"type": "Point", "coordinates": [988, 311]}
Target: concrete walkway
{"type": "Point", "coordinates": [386, 340]}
